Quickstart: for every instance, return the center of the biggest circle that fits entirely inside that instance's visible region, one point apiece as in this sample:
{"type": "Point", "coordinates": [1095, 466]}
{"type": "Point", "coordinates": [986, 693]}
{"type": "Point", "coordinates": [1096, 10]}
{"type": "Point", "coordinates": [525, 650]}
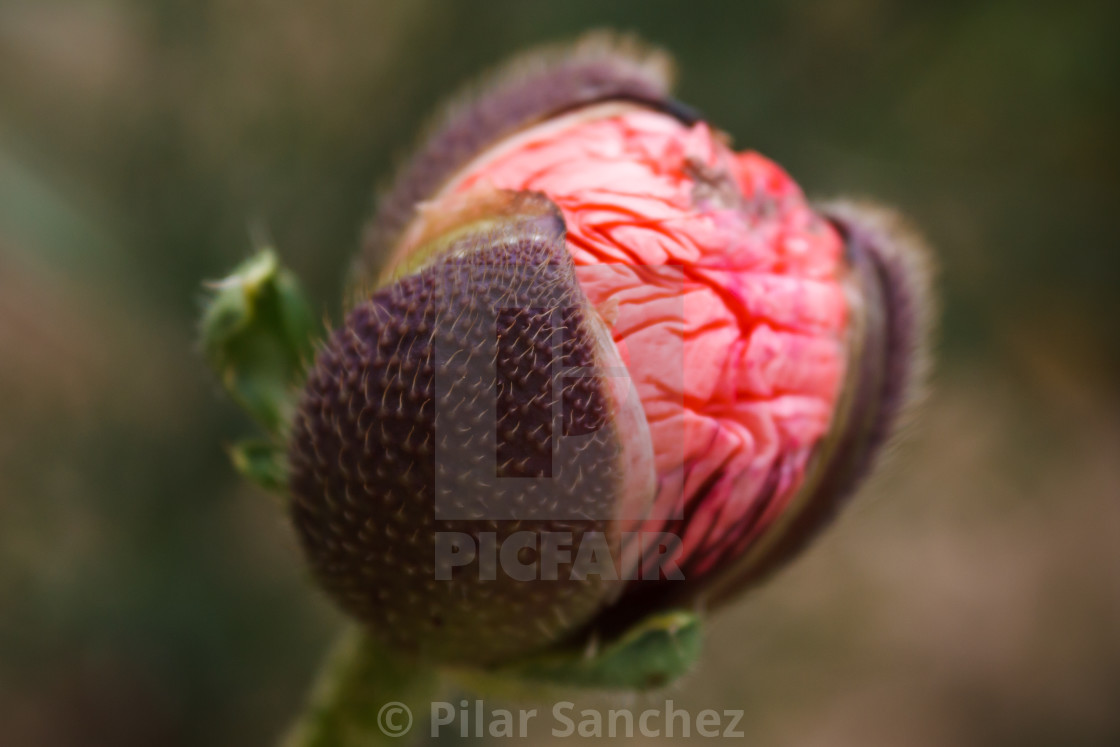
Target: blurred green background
{"type": "Point", "coordinates": [970, 597]}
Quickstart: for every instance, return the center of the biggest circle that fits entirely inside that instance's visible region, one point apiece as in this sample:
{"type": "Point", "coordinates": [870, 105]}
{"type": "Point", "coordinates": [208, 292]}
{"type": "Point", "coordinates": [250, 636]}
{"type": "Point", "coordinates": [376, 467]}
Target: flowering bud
{"type": "Point", "coordinates": [584, 328]}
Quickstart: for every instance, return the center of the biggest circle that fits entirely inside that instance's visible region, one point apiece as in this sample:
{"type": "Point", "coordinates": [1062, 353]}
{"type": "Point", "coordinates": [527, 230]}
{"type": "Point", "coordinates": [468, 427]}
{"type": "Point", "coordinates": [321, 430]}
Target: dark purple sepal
{"type": "Point", "coordinates": [466, 399]}
{"type": "Point", "coordinates": [599, 67]}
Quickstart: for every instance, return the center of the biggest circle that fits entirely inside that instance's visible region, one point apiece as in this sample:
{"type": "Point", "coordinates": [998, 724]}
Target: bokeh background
{"type": "Point", "coordinates": [148, 597]}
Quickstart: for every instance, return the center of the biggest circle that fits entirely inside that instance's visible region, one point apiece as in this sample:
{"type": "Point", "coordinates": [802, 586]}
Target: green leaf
{"type": "Point", "coordinates": [650, 655]}
{"type": "Point", "coordinates": [261, 462]}
{"type": "Point", "coordinates": [258, 333]}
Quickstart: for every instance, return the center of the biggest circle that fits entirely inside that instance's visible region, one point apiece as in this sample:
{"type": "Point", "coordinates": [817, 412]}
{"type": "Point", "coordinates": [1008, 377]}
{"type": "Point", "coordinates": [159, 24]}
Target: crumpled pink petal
{"type": "Point", "coordinates": [722, 290]}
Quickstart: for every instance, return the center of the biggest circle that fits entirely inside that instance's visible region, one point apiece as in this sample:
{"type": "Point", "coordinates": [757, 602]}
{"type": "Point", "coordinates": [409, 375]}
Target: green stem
{"type": "Point", "coordinates": [364, 696]}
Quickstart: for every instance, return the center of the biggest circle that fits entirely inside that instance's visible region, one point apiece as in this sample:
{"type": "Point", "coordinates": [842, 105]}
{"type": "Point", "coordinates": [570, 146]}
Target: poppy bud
{"type": "Point", "coordinates": [580, 314]}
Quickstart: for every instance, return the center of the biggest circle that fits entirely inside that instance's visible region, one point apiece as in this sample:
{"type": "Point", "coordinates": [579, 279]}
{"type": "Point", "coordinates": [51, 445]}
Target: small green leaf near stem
{"type": "Point", "coordinates": [258, 335]}
{"type": "Point", "coordinates": [649, 656]}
